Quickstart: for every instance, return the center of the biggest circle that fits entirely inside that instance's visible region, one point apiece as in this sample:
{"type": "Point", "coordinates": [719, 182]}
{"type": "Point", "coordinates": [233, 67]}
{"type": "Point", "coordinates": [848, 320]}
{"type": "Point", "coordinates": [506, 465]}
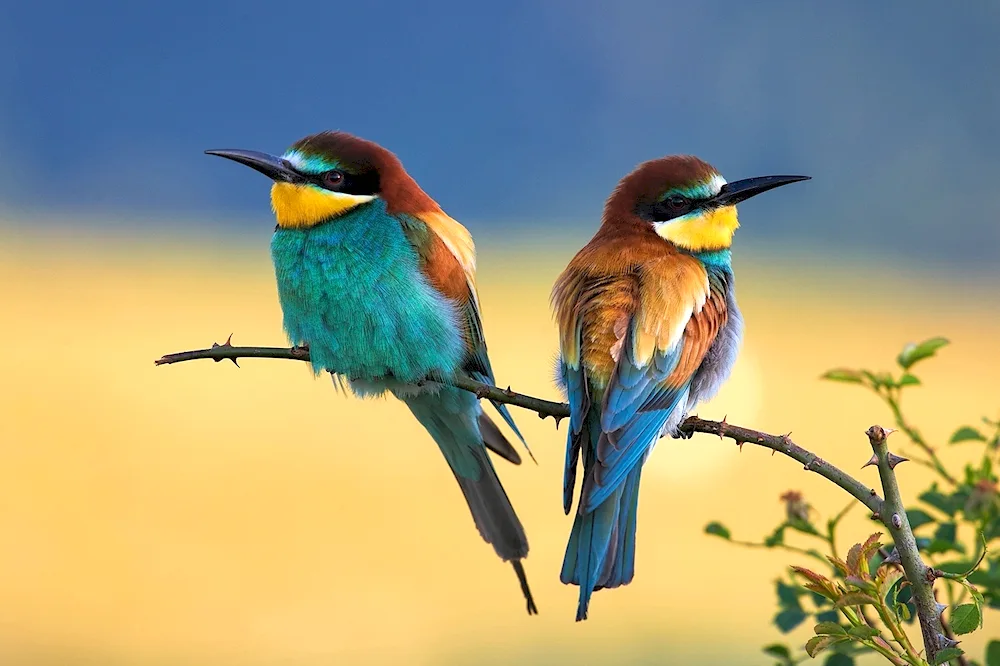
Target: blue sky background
{"type": "Point", "coordinates": [520, 114]}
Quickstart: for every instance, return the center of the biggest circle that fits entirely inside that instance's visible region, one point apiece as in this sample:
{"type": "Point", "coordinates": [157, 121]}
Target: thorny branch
{"type": "Point", "coordinates": [920, 576]}
{"type": "Point", "coordinates": [544, 408]}
{"type": "Point", "coordinates": [889, 511]}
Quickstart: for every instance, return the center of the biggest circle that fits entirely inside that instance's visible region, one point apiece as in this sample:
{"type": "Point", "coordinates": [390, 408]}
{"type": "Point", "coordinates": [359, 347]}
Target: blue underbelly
{"type": "Point", "coordinates": [352, 290]}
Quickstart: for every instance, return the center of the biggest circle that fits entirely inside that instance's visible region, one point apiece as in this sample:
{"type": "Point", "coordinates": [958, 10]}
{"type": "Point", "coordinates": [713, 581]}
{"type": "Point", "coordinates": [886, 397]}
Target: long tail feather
{"type": "Point", "coordinates": [453, 418]}
{"type": "Point", "coordinates": [601, 549]}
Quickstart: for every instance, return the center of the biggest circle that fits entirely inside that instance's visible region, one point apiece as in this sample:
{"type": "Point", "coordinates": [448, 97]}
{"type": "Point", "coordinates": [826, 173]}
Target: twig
{"type": "Point", "coordinates": [783, 546]}
{"type": "Point", "coordinates": [933, 462]}
{"type": "Point", "coordinates": [780, 443]}
{"type": "Point", "coordinates": [920, 576]}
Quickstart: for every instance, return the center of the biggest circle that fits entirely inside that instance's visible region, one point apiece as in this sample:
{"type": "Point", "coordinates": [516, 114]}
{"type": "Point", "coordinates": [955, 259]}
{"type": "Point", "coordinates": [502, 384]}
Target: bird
{"type": "Point", "coordinates": [648, 328]}
{"type": "Point", "coordinates": [379, 283]}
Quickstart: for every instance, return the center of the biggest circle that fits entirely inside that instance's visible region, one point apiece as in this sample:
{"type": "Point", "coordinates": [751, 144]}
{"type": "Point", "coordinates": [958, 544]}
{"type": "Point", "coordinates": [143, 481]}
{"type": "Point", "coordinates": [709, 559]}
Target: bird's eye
{"type": "Point", "coordinates": [676, 202]}
{"type": "Point", "coordinates": [333, 179]}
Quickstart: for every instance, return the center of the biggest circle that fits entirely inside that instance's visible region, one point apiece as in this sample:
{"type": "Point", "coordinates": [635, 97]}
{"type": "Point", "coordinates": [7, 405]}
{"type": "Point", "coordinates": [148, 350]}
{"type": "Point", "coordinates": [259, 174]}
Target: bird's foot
{"type": "Point", "coordinates": [678, 432]}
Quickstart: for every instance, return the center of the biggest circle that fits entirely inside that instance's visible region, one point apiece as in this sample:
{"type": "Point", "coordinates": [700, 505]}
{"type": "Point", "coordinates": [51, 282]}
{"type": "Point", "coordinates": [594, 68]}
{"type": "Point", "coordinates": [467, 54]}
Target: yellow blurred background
{"type": "Point", "coordinates": [204, 514]}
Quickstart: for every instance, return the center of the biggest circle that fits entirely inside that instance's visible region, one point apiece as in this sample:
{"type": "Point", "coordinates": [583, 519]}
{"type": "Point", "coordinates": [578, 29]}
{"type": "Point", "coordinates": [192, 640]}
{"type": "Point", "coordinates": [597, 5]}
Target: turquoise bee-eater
{"type": "Point", "coordinates": [648, 327]}
{"type": "Point", "coordinates": [379, 283]}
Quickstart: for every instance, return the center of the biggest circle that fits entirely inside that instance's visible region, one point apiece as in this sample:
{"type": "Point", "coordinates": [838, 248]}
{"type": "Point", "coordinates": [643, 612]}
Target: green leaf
{"type": "Point", "coordinates": [908, 380]}
{"type": "Point", "coordinates": [803, 526]}
{"type": "Point", "coordinates": [938, 546]}
{"type": "Point", "coordinates": [844, 375]}
{"type": "Point", "coordinates": [828, 616]}
{"type": "Point", "coordinates": [777, 537]}
{"type": "Point", "coordinates": [837, 659]}
{"type": "Point", "coordinates": [913, 353]}
{"type": "Point", "coordinates": [854, 599]}
{"type": "Point", "coordinates": [788, 596]}
{"type": "Point", "coordinates": [940, 501]}
{"type": "Point", "coordinates": [903, 611]}
{"type": "Point", "coordinates": [918, 518]}
{"type": "Point", "coordinates": [977, 596]}
{"type": "Point", "coordinates": [944, 540]}
{"type": "Point", "coordinates": [831, 628]}
{"type": "Point", "coordinates": [817, 644]}
{"type": "Point", "coordinates": [789, 618]}
{"type": "Point", "coordinates": [947, 655]}
{"type": "Point", "coordinates": [946, 532]}
{"type": "Point", "coordinates": [862, 584]}
{"type": "Point", "coordinates": [965, 619]}
{"type": "Point", "coordinates": [993, 653]}
{"type": "Point", "coordinates": [778, 650]}
{"type": "Point", "coordinates": [862, 632]}
{"type": "Point", "coordinates": [992, 529]}
{"type": "Point", "coordinates": [718, 529]}
{"type": "Point", "coordinates": [966, 434]}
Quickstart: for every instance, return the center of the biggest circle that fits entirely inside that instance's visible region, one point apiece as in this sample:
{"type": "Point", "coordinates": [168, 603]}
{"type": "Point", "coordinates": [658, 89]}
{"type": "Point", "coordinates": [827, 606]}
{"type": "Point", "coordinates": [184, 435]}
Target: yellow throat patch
{"type": "Point", "coordinates": [702, 231]}
{"type": "Point", "coordinates": [302, 206]}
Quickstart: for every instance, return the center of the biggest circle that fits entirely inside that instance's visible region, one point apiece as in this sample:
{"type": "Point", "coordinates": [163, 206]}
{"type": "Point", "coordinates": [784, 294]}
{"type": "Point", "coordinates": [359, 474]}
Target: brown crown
{"type": "Point", "coordinates": [400, 192]}
{"type": "Point", "coordinates": [651, 179]}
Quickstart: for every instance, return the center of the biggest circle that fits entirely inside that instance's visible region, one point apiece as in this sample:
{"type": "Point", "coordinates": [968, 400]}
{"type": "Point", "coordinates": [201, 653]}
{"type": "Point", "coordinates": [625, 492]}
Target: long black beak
{"type": "Point", "coordinates": [741, 190]}
{"type": "Point", "coordinates": [275, 168]}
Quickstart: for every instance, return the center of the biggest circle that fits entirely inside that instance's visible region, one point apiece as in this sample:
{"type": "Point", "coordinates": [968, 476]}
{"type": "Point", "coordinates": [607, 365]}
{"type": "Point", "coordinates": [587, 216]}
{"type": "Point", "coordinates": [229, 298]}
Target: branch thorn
{"type": "Point", "coordinates": [946, 642]}
{"type": "Point", "coordinates": [895, 460]}
{"type": "Point", "coordinates": [871, 461]}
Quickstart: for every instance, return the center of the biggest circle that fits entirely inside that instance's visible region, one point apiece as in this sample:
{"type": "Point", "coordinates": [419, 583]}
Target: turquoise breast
{"type": "Point", "coordinates": [352, 290]}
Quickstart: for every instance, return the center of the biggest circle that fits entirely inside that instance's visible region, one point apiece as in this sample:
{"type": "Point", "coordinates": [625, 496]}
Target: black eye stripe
{"type": "Point", "coordinates": [668, 208]}
{"type": "Point", "coordinates": [365, 183]}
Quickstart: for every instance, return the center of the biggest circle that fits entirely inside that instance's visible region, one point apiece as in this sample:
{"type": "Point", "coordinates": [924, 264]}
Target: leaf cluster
{"type": "Point", "coordinates": [862, 604]}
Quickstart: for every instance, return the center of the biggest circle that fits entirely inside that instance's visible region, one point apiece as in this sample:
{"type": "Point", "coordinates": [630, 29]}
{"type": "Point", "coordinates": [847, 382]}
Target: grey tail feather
{"type": "Point", "coordinates": [525, 590]}
{"type": "Point", "coordinates": [496, 520]}
{"type": "Point", "coordinates": [495, 441]}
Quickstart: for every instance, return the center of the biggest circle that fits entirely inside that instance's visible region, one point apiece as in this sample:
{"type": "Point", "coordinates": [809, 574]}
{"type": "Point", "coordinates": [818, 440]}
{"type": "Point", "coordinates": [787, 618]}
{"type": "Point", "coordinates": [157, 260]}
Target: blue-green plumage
{"type": "Point", "coordinates": [352, 290]}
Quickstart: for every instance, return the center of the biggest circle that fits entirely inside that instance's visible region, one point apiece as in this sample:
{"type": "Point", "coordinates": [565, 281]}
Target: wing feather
{"type": "Point", "coordinates": [448, 260]}
{"type": "Point", "coordinates": [678, 312]}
